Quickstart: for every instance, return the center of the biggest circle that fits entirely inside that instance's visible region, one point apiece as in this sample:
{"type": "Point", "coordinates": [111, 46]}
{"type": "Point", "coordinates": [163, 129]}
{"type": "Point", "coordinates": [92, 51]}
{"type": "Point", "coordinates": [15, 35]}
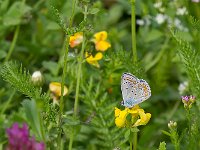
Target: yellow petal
{"type": "Point", "coordinates": [76, 39]}
{"type": "Point", "coordinates": [102, 46]}
{"type": "Point", "coordinates": [144, 119]}
{"type": "Point", "coordinates": [55, 88]}
{"type": "Point", "coordinates": [94, 60]}
{"type": "Point", "coordinates": [120, 119]}
{"type": "Point", "coordinates": [100, 36]}
{"type": "Point", "coordinates": [117, 112]}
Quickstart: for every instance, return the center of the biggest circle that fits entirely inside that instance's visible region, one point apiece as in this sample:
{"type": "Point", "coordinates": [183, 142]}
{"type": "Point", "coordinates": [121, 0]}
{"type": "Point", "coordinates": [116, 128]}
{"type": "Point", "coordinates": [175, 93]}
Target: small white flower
{"type": "Point", "coordinates": [140, 22]}
{"type": "Point", "coordinates": [162, 9]}
{"type": "Point", "coordinates": [70, 54]}
{"type": "Point", "coordinates": [182, 11]}
{"type": "Point", "coordinates": [182, 87]}
{"type": "Point", "coordinates": [196, 1]}
{"type": "Point", "coordinates": [160, 18]}
{"type": "Point", "coordinates": [157, 4]}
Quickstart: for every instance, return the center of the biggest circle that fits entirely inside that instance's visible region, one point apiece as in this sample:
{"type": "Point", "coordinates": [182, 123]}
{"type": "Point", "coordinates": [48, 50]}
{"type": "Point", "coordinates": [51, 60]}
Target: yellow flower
{"type": "Point", "coordinates": [94, 60]}
{"type": "Point", "coordinates": [143, 119]}
{"type": "Point", "coordinates": [138, 117]}
{"type": "Point", "coordinates": [55, 88]}
{"type": "Point", "coordinates": [120, 119]}
{"type": "Point", "coordinates": [100, 41]}
{"type": "Point", "coordinates": [76, 39]}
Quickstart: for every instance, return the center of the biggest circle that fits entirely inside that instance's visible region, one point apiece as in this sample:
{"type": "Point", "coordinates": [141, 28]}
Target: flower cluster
{"type": "Point", "coordinates": [101, 44]}
{"type": "Point", "coordinates": [172, 125]}
{"type": "Point", "coordinates": [188, 101]}
{"type": "Point", "coordinates": [138, 117]}
{"type": "Point", "coordinates": [19, 139]}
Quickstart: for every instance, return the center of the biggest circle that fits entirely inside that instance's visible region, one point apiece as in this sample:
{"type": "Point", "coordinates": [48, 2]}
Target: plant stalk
{"type": "Point", "coordinates": [10, 51]}
{"type": "Point", "coordinates": [79, 73]}
{"type": "Point", "coordinates": [134, 140]}
{"type": "Point", "coordinates": [64, 74]}
{"type": "Point", "coordinates": [133, 31]}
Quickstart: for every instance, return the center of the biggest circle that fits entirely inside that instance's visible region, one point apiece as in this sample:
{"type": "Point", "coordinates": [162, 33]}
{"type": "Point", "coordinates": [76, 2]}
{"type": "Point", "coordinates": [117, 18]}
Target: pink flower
{"type": "Point", "coordinates": [19, 139]}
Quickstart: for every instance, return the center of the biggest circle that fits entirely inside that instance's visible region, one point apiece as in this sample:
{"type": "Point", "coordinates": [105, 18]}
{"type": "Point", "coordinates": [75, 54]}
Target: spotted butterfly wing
{"type": "Point", "coordinates": [134, 90]}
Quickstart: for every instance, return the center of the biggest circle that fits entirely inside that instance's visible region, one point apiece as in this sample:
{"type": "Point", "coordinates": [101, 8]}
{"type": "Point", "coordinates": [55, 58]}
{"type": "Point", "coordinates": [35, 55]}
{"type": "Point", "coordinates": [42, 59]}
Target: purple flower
{"type": "Point", "coordinates": [188, 101]}
{"type": "Point", "coordinates": [19, 139]}
{"type": "Point", "coordinates": [185, 98]}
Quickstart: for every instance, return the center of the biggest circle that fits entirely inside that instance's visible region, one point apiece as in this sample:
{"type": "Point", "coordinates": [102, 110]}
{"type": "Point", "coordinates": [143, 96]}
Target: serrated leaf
{"type": "Point", "coordinates": [71, 121]}
{"type": "Point", "coordinates": [166, 133]}
{"type": "Point", "coordinates": [162, 146]}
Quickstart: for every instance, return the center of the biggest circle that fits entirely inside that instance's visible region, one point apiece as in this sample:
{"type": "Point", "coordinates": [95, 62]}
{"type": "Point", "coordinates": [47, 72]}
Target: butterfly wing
{"type": "Point", "coordinates": [128, 86]}
{"type": "Point", "coordinates": [134, 90]}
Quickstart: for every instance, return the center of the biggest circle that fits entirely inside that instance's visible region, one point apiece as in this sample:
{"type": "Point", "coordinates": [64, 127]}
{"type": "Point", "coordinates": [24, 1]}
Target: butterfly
{"type": "Point", "coordinates": [134, 90]}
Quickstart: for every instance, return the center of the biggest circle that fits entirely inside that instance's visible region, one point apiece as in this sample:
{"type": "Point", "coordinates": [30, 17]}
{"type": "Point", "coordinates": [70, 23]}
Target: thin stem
{"type": "Point", "coordinates": [10, 51]}
{"type": "Point", "coordinates": [79, 72]}
{"type": "Point", "coordinates": [133, 31]}
{"type": "Point", "coordinates": [189, 120]}
{"type": "Point", "coordinates": [13, 43]}
{"type": "Point", "coordinates": [135, 140]}
{"type": "Point", "coordinates": [131, 145]}
{"type": "Point", "coordinates": [64, 74]}
{"type": "Point", "coordinates": [8, 102]}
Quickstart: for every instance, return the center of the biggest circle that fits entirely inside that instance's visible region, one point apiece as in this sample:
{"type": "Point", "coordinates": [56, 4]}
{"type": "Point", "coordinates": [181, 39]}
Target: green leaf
{"type": "Point", "coordinates": [32, 117]}
{"type": "Point", "coordinates": [52, 26]}
{"type": "Point", "coordinates": [15, 13]}
{"type": "Point", "coordinates": [162, 146]}
{"type": "Point", "coordinates": [153, 35]}
{"type": "Point", "coordinates": [135, 129]}
{"type": "Point", "coordinates": [2, 54]}
{"type": "Point", "coordinates": [4, 6]}
{"type": "Point", "coordinates": [127, 134]}
{"type": "Point", "coordinates": [93, 11]}
{"type": "Point", "coordinates": [115, 14]}
{"type": "Point", "coordinates": [166, 133]}
{"type": "Point", "coordinates": [51, 66]}
{"type": "Point", "coordinates": [71, 121]}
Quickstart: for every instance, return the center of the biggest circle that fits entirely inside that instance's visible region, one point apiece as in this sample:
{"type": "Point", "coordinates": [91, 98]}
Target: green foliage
{"type": "Point", "coordinates": [100, 112]}
{"type": "Point", "coordinates": [162, 146]}
{"type": "Point", "coordinates": [32, 116]}
{"type": "Point", "coordinates": [190, 57]}
{"type": "Point", "coordinates": [42, 28]}
{"type": "Point", "coordinates": [20, 79]}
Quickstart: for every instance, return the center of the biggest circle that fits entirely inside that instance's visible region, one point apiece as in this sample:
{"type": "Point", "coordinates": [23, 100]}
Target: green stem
{"type": "Point", "coordinates": [189, 120]}
{"type": "Point", "coordinates": [135, 140]}
{"type": "Point", "coordinates": [64, 75]}
{"type": "Point", "coordinates": [131, 145]}
{"type": "Point", "coordinates": [8, 102]}
{"type": "Point", "coordinates": [79, 72]}
{"type": "Point", "coordinates": [133, 31]}
{"type": "Point", "coordinates": [13, 43]}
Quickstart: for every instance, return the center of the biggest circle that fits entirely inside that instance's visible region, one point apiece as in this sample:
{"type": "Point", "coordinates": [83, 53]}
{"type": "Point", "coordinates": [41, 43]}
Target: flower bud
{"type": "Point", "coordinates": [172, 124]}
{"type": "Point", "coordinates": [37, 78]}
{"type": "Point", "coordinates": [188, 101]}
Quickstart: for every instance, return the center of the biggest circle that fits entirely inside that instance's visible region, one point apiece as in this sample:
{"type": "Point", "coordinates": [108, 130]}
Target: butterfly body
{"type": "Point", "coordinates": [134, 90]}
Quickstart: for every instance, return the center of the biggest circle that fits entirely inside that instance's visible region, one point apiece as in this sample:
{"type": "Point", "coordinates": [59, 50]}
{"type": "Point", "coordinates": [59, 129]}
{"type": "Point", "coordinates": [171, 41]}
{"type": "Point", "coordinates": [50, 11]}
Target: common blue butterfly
{"type": "Point", "coordinates": [134, 90]}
